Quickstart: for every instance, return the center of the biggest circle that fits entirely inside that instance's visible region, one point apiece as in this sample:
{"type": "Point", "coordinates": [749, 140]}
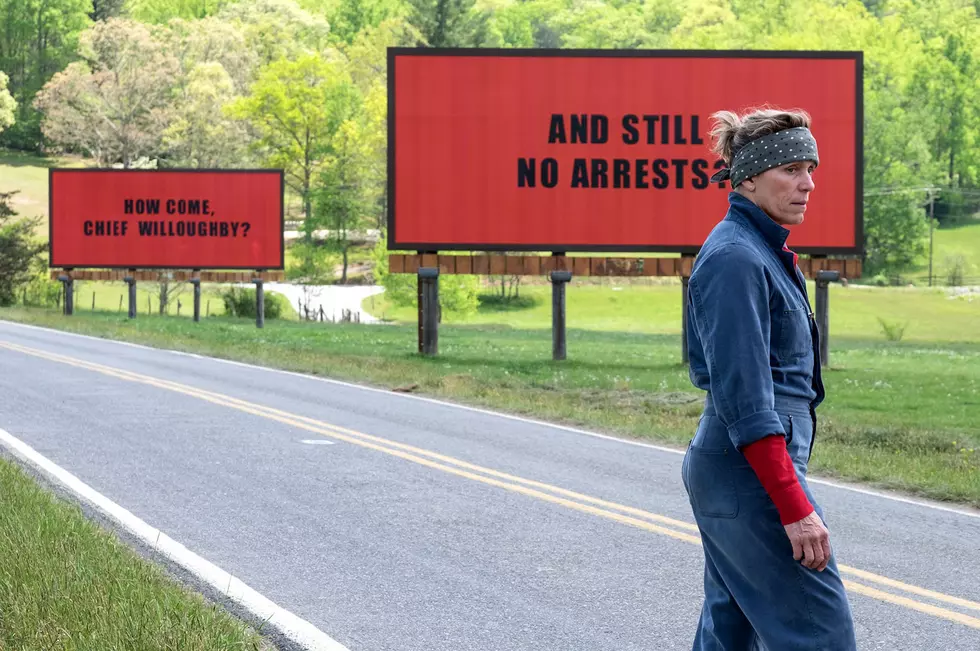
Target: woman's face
{"type": "Point", "coordinates": [782, 192]}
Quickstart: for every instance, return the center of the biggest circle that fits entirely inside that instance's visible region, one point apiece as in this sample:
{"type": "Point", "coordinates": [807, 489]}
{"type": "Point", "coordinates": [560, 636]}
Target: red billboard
{"type": "Point", "coordinates": [604, 150]}
{"type": "Point", "coordinates": [166, 219]}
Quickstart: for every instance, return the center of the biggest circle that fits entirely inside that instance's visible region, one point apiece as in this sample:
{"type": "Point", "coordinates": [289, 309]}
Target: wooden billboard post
{"type": "Point", "coordinates": [559, 348]}
{"type": "Point", "coordinates": [68, 287]}
{"type": "Point", "coordinates": [824, 277]}
{"type": "Point", "coordinates": [196, 282]}
{"type": "Point", "coordinates": [429, 305]}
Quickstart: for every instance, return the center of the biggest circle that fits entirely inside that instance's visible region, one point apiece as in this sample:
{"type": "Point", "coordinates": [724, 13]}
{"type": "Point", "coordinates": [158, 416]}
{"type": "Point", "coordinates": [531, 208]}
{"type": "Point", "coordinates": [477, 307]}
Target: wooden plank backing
{"type": "Point", "coordinates": [535, 265]}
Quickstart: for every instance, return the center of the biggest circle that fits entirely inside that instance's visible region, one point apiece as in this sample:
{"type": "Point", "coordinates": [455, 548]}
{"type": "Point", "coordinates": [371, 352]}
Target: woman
{"type": "Point", "coordinates": [770, 577]}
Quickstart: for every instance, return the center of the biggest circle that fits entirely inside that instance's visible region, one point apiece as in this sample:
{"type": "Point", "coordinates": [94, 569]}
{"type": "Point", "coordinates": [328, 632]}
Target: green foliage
{"type": "Point", "coordinates": [20, 252]}
{"type": "Point", "coordinates": [296, 108]}
{"type": "Point", "coordinates": [311, 263]}
{"type": "Point", "coordinates": [400, 289]}
{"type": "Point", "coordinates": [114, 105]}
{"type": "Point", "coordinates": [450, 23]}
{"type": "Point", "coordinates": [956, 267]}
{"type": "Point", "coordinates": [893, 331]}
{"type": "Point", "coordinates": [494, 302]}
{"type": "Point", "coordinates": [457, 293]}
{"type": "Point", "coordinates": [37, 39]}
{"type": "Point", "coordinates": [7, 104]}
{"type": "Point", "coordinates": [301, 84]}
{"type": "Point", "coordinates": [241, 302]}
{"type": "Point", "coordinates": [161, 11]}
{"type": "Point", "coordinates": [278, 29]}
{"type": "Point", "coordinates": [200, 135]}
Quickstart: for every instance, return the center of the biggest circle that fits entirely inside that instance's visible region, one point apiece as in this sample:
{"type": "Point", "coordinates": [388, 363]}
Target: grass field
{"type": "Point", "coordinates": [898, 414]}
{"type": "Point", "coordinates": [926, 315]}
{"type": "Point", "coordinates": [67, 584]}
{"type": "Point", "coordinates": [114, 297]}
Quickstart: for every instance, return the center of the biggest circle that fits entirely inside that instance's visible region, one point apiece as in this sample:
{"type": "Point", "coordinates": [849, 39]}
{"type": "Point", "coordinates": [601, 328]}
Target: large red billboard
{"type": "Point", "coordinates": [167, 219]}
{"type": "Point", "coordinates": [607, 150]}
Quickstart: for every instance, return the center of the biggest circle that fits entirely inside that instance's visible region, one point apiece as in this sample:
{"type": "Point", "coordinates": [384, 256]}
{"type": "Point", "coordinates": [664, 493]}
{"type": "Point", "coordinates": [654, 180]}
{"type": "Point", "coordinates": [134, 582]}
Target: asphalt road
{"type": "Point", "coordinates": [429, 527]}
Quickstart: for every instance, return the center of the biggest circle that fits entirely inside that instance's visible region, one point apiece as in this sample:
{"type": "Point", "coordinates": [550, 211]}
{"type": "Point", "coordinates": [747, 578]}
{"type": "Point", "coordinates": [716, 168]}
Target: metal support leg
{"type": "Point", "coordinates": [559, 345]}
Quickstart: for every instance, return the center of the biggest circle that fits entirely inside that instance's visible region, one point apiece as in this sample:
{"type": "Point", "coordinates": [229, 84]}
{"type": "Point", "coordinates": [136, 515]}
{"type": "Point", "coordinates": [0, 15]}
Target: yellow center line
{"type": "Point", "coordinates": [519, 485]}
{"type": "Point", "coordinates": [898, 600]}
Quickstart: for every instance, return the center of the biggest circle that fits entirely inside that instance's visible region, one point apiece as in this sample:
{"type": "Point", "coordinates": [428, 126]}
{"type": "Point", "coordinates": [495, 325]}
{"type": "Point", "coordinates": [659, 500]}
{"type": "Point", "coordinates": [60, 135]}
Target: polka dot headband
{"type": "Point", "coordinates": [786, 146]}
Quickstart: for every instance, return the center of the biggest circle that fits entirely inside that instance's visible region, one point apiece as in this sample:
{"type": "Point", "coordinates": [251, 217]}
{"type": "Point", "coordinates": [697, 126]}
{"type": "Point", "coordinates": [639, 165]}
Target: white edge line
{"type": "Point", "coordinates": [487, 412]}
{"type": "Point", "coordinates": [298, 630]}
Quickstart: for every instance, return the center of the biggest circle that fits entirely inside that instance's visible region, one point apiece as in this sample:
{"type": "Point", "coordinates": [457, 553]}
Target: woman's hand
{"type": "Point", "coordinates": [811, 541]}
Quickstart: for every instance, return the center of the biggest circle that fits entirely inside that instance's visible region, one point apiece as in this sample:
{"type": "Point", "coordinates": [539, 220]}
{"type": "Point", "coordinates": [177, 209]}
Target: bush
{"type": "Point", "coordinates": [240, 302]}
{"type": "Point", "coordinates": [496, 303]}
{"type": "Point", "coordinates": [893, 331]}
{"type": "Point", "coordinates": [19, 250]}
{"type": "Point", "coordinates": [956, 269]}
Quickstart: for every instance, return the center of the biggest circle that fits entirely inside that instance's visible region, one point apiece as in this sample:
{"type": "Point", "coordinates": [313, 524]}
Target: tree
{"type": "Point", "coordinates": [349, 18]}
{"type": "Point", "coordinates": [902, 122]}
{"type": "Point", "coordinates": [278, 29]}
{"type": "Point", "coordinates": [37, 39]}
{"type": "Point", "coordinates": [115, 104]}
{"type": "Point", "coordinates": [7, 104]}
{"type": "Point", "coordinates": [342, 195]}
{"type": "Point", "coordinates": [296, 108]}
{"type": "Point", "coordinates": [161, 11]}
{"type": "Point", "coordinates": [450, 23]}
{"type": "Point", "coordinates": [106, 9]}
{"type": "Point", "coordinates": [19, 250]}
{"type": "Point", "coordinates": [211, 40]}
{"type": "Point", "coordinates": [201, 134]}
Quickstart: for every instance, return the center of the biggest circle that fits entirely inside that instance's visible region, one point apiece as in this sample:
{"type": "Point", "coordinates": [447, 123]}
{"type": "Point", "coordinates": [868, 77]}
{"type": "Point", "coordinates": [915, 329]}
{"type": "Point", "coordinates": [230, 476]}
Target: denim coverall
{"type": "Point", "coordinates": [753, 347]}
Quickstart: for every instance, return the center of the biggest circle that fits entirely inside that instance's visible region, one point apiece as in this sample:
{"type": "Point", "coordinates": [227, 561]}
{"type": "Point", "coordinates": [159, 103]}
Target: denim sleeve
{"type": "Point", "coordinates": [729, 297]}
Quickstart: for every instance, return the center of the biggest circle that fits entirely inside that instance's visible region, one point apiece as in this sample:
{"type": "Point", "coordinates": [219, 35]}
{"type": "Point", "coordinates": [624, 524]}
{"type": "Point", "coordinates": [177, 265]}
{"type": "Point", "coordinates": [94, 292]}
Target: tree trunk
{"type": "Point", "coordinates": [164, 295]}
{"type": "Point", "coordinates": [343, 275]}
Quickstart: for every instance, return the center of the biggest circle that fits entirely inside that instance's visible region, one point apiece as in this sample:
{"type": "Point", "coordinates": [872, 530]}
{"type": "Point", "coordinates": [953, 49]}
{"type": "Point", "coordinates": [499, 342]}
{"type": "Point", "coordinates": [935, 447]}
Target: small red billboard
{"type": "Point", "coordinates": [166, 219]}
{"type": "Point", "coordinates": [602, 150]}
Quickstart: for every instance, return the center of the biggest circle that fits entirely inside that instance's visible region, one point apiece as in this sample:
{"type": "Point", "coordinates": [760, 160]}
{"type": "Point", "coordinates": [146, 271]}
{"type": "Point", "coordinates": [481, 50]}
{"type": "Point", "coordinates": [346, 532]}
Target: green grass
{"type": "Point", "coordinates": [898, 414]}
{"type": "Point", "coordinates": [108, 295]}
{"type": "Point", "coordinates": [28, 174]}
{"type": "Point", "coordinates": [67, 584]}
{"type": "Point", "coordinates": [927, 315]}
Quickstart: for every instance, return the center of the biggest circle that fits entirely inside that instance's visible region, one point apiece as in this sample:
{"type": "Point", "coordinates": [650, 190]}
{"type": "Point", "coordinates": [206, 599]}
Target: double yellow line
{"type": "Point", "coordinates": [652, 522]}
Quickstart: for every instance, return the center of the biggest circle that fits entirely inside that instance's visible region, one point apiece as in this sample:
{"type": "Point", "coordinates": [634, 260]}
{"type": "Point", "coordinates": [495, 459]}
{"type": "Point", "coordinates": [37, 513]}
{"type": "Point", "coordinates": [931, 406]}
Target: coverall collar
{"type": "Point", "coordinates": [774, 234]}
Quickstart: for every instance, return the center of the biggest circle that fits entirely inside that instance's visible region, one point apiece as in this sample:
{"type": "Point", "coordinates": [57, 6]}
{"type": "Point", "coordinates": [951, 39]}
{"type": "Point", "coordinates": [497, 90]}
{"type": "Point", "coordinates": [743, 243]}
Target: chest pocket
{"type": "Point", "coordinates": [793, 339]}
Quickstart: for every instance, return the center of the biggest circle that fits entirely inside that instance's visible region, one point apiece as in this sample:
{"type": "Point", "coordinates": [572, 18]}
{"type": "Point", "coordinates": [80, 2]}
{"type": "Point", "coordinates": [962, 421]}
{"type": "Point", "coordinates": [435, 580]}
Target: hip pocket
{"type": "Point", "coordinates": [710, 482]}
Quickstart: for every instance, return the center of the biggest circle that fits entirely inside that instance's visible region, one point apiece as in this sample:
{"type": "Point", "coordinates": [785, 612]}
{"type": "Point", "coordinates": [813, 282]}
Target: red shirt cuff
{"type": "Point", "coordinates": [772, 464]}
